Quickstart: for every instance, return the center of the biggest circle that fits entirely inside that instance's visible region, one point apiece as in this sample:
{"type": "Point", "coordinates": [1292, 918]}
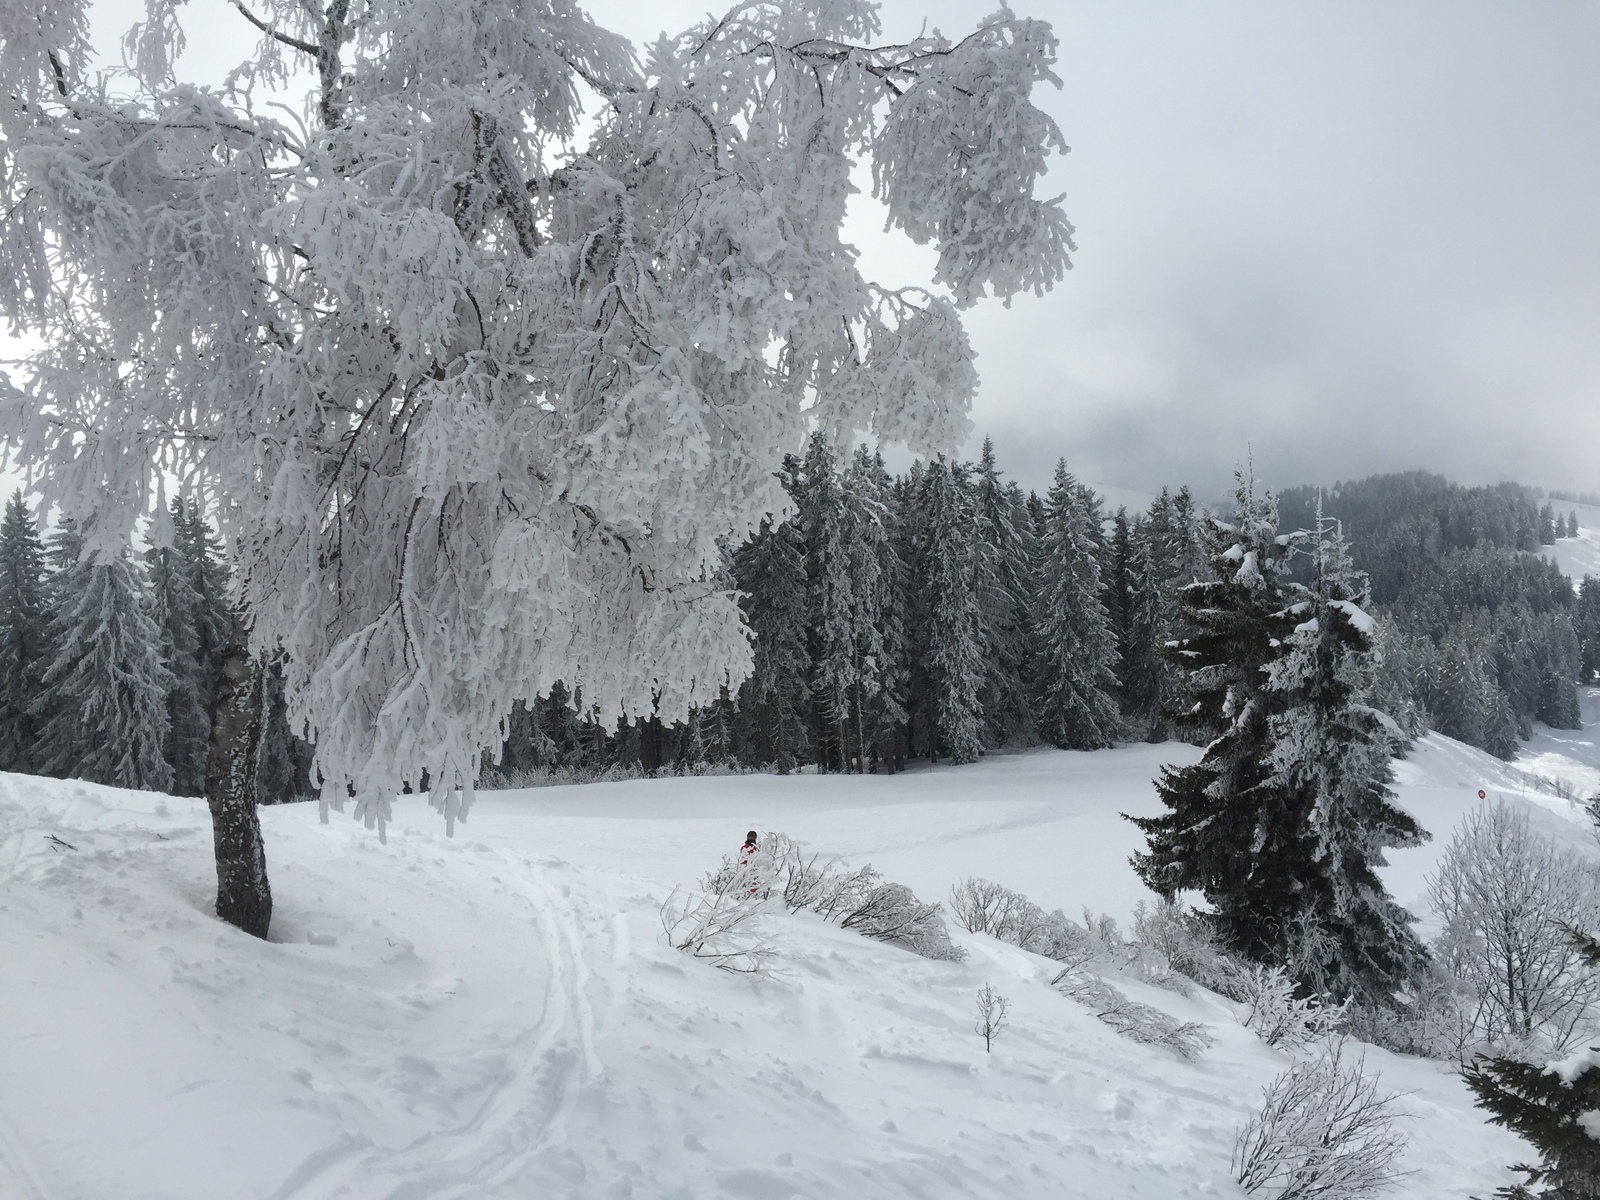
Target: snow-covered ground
{"type": "Point", "coordinates": [495, 1015]}
{"type": "Point", "coordinates": [1577, 556]}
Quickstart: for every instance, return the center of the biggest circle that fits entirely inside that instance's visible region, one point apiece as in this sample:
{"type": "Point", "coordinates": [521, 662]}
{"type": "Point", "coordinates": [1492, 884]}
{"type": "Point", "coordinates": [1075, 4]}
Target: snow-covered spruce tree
{"type": "Point", "coordinates": [105, 692]}
{"type": "Point", "coordinates": [877, 640]}
{"type": "Point", "coordinates": [775, 698]}
{"type": "Point", "coordinates": [1074, 659]}
{"type": "Point", "coordinates": [1554, 1105]}
{"type": "Point", "coordinates": [1232, 830]}
{"type": "Point", "coordinates": [951, 649]}
{"type": "Point", "coordinates": [175, 606]}
{"type": "Point", "coordinates": [1004, 589]}
{"type": "Point", "coordinates": [476, 412]}
{"type": "Point", "coordinates": [25, 646]}
{"type": "Point", "coordinates": [193, 538]}
{"type": "Point", "coordinates": [1330, 751]}
{"type": "Point", "coordinates": [830, 601]}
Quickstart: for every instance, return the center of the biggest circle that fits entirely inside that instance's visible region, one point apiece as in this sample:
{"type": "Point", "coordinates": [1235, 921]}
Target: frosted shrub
{"type": "Point", "coordinates": [891, 913]}
{"type": "Point", "coordinates": [1187, 943]}
{"type": "Point", "coordinates": [855, 898]}
{"type": "Point", "coordinates": [1277, 1016]}
{"type": "Point", "coordinates": [1324, 1132]}
{"type": "Point", "coordinates": [980, 906]}
{"type": "Point", "coordinates": [1135, 1021]}
{"type": "Point", "coordinates": [724, 928]}
{"type": "Point", "coordinates": [1506, 898]}
{"type": "Point", "coordinates": [993, 1009]}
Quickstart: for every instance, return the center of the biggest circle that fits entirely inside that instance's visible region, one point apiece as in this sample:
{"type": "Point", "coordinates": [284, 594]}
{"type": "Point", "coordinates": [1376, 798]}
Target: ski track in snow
{"type": "Point", "coordinates": [497, 1016]}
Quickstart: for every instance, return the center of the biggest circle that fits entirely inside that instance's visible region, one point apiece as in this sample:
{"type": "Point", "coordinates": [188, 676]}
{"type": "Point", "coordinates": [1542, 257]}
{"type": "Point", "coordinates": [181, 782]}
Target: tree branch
{"type": "Point", "coordinates": [296, 43]}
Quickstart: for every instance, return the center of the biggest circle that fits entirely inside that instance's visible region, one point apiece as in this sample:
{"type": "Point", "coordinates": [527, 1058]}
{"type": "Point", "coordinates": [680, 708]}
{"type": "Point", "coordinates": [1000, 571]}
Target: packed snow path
{"type": "Point", "coordinates": [495, 1015]}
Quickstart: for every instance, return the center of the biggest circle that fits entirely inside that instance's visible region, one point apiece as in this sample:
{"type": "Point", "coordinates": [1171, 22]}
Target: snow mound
{"type": "Point", "coordinates": [496, 1015]}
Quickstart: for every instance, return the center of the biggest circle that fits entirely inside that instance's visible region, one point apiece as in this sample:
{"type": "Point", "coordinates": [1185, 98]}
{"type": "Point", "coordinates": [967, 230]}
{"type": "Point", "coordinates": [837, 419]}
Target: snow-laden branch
{"type": "Point", "coordinates": [479, 412]}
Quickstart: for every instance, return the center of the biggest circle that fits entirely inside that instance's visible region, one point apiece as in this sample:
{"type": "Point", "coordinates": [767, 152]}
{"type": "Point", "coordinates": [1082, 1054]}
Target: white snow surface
{"type": "Point", "coordinates": [1577, 556]}
{"type": "Point", "coordinates": [495, 1015]}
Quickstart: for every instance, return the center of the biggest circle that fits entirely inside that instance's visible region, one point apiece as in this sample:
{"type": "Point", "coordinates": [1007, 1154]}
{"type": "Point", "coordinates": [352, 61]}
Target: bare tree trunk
{"type": "Point", "coordinates": [243, 898]}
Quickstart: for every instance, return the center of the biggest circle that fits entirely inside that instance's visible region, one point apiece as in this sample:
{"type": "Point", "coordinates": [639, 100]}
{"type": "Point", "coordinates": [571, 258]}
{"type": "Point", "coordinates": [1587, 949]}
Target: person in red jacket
{"type": "Point", "coordinates": [747, 854]}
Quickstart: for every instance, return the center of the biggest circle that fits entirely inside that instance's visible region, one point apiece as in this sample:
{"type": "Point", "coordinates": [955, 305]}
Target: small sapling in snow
{"type": "Point", "coordinates": [992, 1011]}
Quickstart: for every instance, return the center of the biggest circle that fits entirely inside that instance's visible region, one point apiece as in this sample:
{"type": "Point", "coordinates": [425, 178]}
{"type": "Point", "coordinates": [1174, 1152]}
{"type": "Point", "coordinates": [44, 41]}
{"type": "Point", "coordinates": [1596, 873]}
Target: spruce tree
{"type": "Point", "coordinates": [775, 701]}
{"type": "Point", "coordinates": [208, 575]}
{"type": "Point", "coordinates": [1150, 616]}
{"type": "Point", "coordinates": [174, 606]}
{"type": "Point", "coordinates": [1118, 596]}
{"type": "Point", "coordinates": [1231, 830]}
{"type": "Point", "coordinates": [25, 646]}
{"type": "Point", "coordinates": [1330, 753]}
{"type": "Point", "coordinates": [877, 699]}
{"type": "Point", "coordinates": [105, 692]}
{"type": "Point", "coordinates": [822, 522]}
{"type": "Point", "coordinates": [1554, 1106]}
{"type": "Point", "coordinates": [275, 773]}
{"type": "Point", "coordinates": [1004, 589]}
{"type": "Point", "coordinates": [953, 649]}
{"type": "Point", "coordinates": [1074, 645]}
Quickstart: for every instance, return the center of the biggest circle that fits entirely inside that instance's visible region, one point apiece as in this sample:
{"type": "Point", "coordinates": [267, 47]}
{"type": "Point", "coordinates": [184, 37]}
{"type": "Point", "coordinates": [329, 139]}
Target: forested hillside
{"type": "Point", "coordinates": [1485, 636]}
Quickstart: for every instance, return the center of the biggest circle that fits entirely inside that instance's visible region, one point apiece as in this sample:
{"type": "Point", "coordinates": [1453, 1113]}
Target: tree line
{"type": "Point", "coordinates": [108, 663]}
{"type": "Point", "coordinates": [1484, 636]}
{"type": "Point", "coordinates": [933, 615]}
{"type": "Point", "coordinates": [936, 614]}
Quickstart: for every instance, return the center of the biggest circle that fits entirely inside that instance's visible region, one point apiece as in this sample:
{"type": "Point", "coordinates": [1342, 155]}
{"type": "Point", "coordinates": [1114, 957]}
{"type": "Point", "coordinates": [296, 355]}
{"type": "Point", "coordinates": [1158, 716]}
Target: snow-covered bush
{"type": "Point", "coordinates": [1277, 1016]}
{"type": "Point", "coordinates": [722, 927]}
{"type": "Point", "coordinates": [1135, 1021]}
{"type": "Point", "coordinates": [1433, 1021]}
{"type": "Point", "coordinates": [891, 913]}
{"type": "Point", "coordinates": [855, 898]}
{"type": "Point", "coordinates": [1507, 898]}
{"type": "Point", "coordinates": [980, 906]}
{"type": "Point", "coordinates": [1324, 1132]}
{"type": "Point", "coordinates": [1188, 944]}
{"type": "Point", "coordinates": [993, 1009]}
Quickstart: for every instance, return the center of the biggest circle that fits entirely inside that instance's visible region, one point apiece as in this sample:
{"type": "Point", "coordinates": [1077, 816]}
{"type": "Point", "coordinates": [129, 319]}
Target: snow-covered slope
{"type": "Point", "coordinates": [495, 1015]}
{"type": "Point", "coordinates": [1577, 556]}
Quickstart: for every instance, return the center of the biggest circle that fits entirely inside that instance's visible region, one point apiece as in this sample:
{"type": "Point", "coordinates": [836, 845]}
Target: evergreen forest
{"type": "Point", "coordinates": [934, 615]}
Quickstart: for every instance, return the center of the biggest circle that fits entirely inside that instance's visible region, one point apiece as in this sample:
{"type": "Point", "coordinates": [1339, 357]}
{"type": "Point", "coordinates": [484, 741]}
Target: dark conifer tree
{"type": "Point", "coordinates": [105, 691]}
{"type": "Point", "coordinates": [1119, 601]}
{"type": "Point", "coordinates": [1003, 589]}
{"type": "Point", "coordinates": [1150, 614]}
{"type": "Point", "coordinates": [25, 646]}
{"type": "Point", "coordinates": [1074, 645]}
{"type": "Point", "coordinates": [175, 608]}
{"type": "Point", "coordinates": [1552, 1105]}
{"type": "Point", "coordinates": [1231, 831]}
{"type": "Point", "coordinates": [876, 703]}
{"type": "Point", "coordinates": [1330, 760]}
{"type": "Point", "coordinates": [952, 652]}
{"type": "Point", "coordinates": [775, 701]}
{"type": "Point", "coordinates": [275, 765]}
{"type": "Point", "coordinates": [823, 526]}
{"type": "Point", "coordinates": [193, 538]}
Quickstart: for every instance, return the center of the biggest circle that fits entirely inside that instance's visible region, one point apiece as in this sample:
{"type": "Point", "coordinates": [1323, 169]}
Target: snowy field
{"type": "Point", "coordinates": [1578, 556]}
{"type": "Point", "coordinates": [495, 1015]}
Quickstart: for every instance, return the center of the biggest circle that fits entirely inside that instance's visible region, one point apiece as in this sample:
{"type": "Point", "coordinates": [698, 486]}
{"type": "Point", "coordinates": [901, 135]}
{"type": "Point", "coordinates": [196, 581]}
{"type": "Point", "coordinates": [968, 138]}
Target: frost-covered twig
{"type": "Point", "coordinates": [1135, 1021]}
{"type": "Point", "coordinates": [723, 928]}
{"type": "Point", "coordinates": [1324, 1132]}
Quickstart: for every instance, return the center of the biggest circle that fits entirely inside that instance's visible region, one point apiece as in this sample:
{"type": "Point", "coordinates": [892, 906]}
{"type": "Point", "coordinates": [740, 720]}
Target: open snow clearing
{"type": "Point", "coordinates": [497, 1015]}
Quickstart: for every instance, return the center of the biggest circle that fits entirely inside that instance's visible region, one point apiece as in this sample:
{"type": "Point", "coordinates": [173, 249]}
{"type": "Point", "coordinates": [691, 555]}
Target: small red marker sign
{"type": "Point", "coordinates": [1482, 794]}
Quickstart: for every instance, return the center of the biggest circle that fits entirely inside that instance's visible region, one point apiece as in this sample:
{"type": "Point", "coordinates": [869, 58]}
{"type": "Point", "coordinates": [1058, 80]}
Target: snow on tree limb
{"type": "Point", "coordinates": [476, 409]}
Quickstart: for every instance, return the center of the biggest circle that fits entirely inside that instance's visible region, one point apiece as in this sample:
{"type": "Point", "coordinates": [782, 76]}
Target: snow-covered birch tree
{"type": "Point", "coordinates": [475, 404]}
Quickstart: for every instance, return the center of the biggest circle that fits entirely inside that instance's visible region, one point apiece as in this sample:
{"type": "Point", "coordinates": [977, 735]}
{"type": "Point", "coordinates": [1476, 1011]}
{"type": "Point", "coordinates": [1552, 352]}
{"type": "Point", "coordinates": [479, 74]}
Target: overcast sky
{"type": "Point", "coordinates": [1352, 237]}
